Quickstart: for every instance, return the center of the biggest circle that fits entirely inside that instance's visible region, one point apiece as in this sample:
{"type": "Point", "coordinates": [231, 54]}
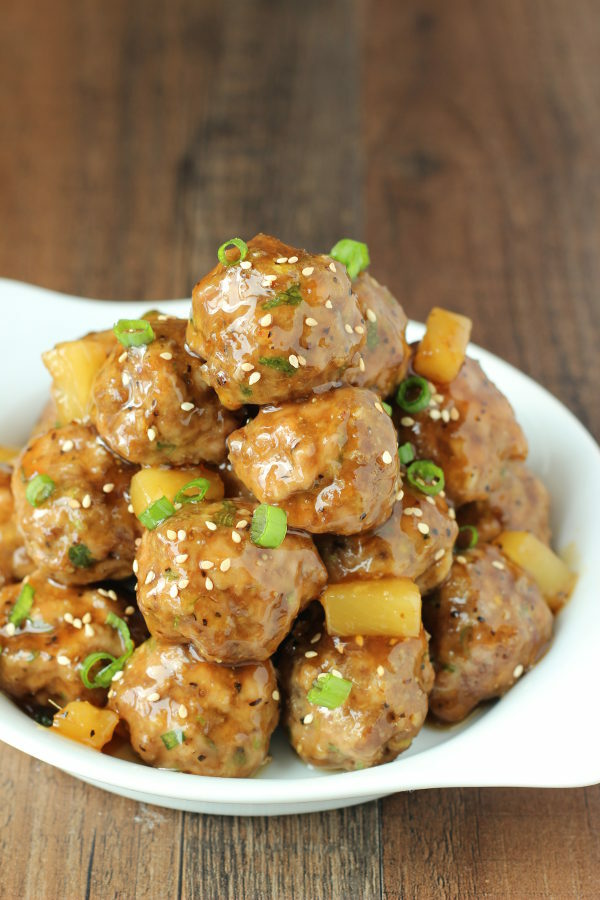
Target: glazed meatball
{"type": "Point", "coordinates": [384, 710]}
{"type": "Point", "coordinates": [14, 562]}
{"type": "Point", "coordinates": [41, 659]}
{"type": "Point", "coordinates": [188, 714]}
{"type": "Point", "coordinates": [488, 624]}
{"type": "Point", "coordinates": [152, 405]}
{"type": "Point", "coordinates": [469, 429]}
{"type": "Point", "coordinates": [416, 542]}
{"type": "Point", "coordinates": [201, 580]}
{"type": "Point", "coordinates": [386, 354]}
{"type": "Point", "coordinates": [330, 462]}
{"type": "Point", "coordinates": [275, 325]}
{"type": "Point", "coordinates": [82, 530]}
{"type": "Point", "coordinates": [519, 503]}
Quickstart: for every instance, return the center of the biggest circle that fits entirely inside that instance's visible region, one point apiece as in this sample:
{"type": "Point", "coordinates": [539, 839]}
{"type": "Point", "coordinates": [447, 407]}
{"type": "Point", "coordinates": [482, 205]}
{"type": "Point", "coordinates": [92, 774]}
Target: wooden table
{"type": "Point", "coordinates": [462, 141]}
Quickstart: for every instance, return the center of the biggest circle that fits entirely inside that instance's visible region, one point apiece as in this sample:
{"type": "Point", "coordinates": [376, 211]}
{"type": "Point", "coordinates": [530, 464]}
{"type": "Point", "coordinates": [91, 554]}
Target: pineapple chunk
{"type": "Point", "coordinates": [554, 579]}
{"type": "Point", "coordinates": [442, 350]}
{"type": "Point", "coordinates": [387, 606]}
{"type": "Point", "coordinates": [83, 722]}
{"type": "Point", "coordinates": [73, 366]}
{"type": "Point", "coordinates": [152, 483]}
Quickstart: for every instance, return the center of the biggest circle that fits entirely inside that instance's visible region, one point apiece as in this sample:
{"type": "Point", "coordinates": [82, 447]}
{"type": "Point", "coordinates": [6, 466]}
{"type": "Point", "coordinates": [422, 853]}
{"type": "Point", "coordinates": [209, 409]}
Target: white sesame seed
{"type": "Point", "coordinates": [361, 364]}
{"type": "Point", "coordinates": [86, 502]}
{"type": "Point", "coordinates": [153, 697]}
{"type": "Point", "coordinates": [187, 406]}
{"type": "Point", "coordinates": [129, 610]}
{"type": "Point", "coordinates": [386, 457]}
{"type": "Point", "coordinates": [206, 564]}
{"type": "Point", "coordinates": [254, 378]}
{"type": "Point", "coordinates": [451, 513]}
{"type": "Point", "coordinates": [359, 329]}
{"type": "Point", "coordinates": [430, 500]}
{"type": "Point", "coordinates": [130, 508]}
{"type": "Point", "coordinates": [112, 595]}
{"type": "Point", "coordinates": [440, 554]}
{"type": "Point", "coordinates": [135, 566]}
{"type": "Point", "coordinates": [173, 591]}
{"type": "Point", "coordinates": [293, 360]}
{"type": "Point", "coordinates": [151, 434]}
{"type": "Point", "coordinates": [518, 671]}
{"type": "Point", "coordinates": [275, 695]}
{"type": "Point", "coordinates": [293, 259]}
{"type": "Point", "coordinates": [235, 537]}
{"type": "Point", "coordinates": [182, 584]}
{"type": "Point", "coordinates": [117, 676]}
{"type": "Point", "coordinates": [63, 660]}
{"type": "Point", "coordinates": [208, 584]}
{"type": "Point", "coordinates": [445, 416]}
{"type": "Point", "coordinates": [225, 565]}
{"type": "Point", "coordinates": [380, 671]}
{"type": "Point", "coordinates": [399, 495]}
{"type": "Point", "coordinates": [281, 260]}
{"type": "Point", "coordinates": [211, 525]}
{"type": "Point", "coordinates": [137, 542]}
{"type": "Point", "coordinates": [103, 592]}
{"type": "Point", "coordinates": [181, 534]}
{"type": "Point", "coordinates": [10, 628]}
{"type": "Point", "coordinates": [332, 267]}
{"type": "Point", "coordinates": [74, 504]}
{"type": "Point", "coordinates": [125, 378]}
{"type": "Point", "coordinates": [417, 512]}
{"type": "Point", "coordinates": [66, 446]}
{"type": "Point", "coordinates": [461, 559]}
{"type": "Point", "coordinates": [378, 406]}
{"type": "Point", "coordinates": [181, 557]}
{"type": "Point", "coordinates": [407, 421]}
{"type": "Point", "coordinates": [265, 283]}
{"type": "Point", "coordinates": [423, 527]}
{"type": "Point", "coordinates": [166, 355]}
{"type": "Point", "coordinates": [497, 564]}
{"type": "Point", "coordinates": [348, 328]}
{"type": "Point", "coordinates": [439, 398]}
{"type": "Point", "coordinates": [171, 535]}
{"type": "Point", "coordinates": [86, 618]}
{"type": "Point", "coordinates": [266, 320]}
{"type": "Point", "coordinates": [308, 718]}
{"type": "Point", "coordinates": [336, 673]}
{"type": "Point", "coordinates": [454, 414]}
{"type": "Point", "coordinates": [123, 356]}
{"type": "Point", "coordinates": [435, 414]}
{"type": "Point", "coordinates": [308, 271]}
{"type": "Point", "coordinates": [371, 316]}
{"type": "Point", "coordinates": [242, 524]}
{"type": "Point", "coordinates": [310, 322]}
{"type": "Point", "coordinates": [88, 630]}
{"type": "Point", "coordinates": [322, 675]}
{"type": "Point", "coordinates": [270, 278]}
{"type": "Point", "coordinates": [411, 510]}
{"type": "Point", "coordinates": [245, 264]}
{"type": "Point", "coordinates": [328, 304]}
{"type": "Point", "coordinates": [182, 711]}
{"type": "Point", "coordinates": [310, 654]}
{"type": "Point", "coordinates": [247, 367]}
{"type": "Point", "coordinates": [162, 317]}
{"type": "Point", "coordinates": [68, 617]}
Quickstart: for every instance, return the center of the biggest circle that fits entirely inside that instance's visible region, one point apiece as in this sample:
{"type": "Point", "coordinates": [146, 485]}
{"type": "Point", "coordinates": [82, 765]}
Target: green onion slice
{"type": "Point", "coordinates": [406, 453]}
{"type": "Point", "coordinates": [330, 691]}
{"type": "Point", "coordinates": [280, 363]}
{"type": "Point", "coordinates": [173, 738]}
{"type": "Point", "coordinates": [133, 332]}
{"type": "Point", "coordinates": [473, 537]}
{"type": "Point", "coordinates": [199, 485]}
{"type": "Point", "coordinates": [22, 607]}
{"type": "Point", "coordinates": [81, 556]}
{"type": "Point", "coordinates": [103, 678]}
{"type": "Point", "coordinates": [156, 513]}
{"type": "Point", "coordinates": [387, 407]}
{"type": "Point", "coordinates": [413, 394]}
{"type": "Point", "coordinates": [269, 526]}
{"type": "Point", "coordinates": [424, 475]}
{"type": "Point", "coordinates": [39, 489]}
{"type": "Point", "coordinates": [353, 254]}
{"type": "Point", "coordinates": [292, 296]}
{"type": "Point", "coordinates": [233, 242]}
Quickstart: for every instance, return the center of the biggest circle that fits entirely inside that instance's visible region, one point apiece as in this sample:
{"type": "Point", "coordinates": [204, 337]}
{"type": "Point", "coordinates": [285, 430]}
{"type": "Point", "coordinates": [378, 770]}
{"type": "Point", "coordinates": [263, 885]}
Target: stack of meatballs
{"type": "Point", "coordinates": [277, 388]}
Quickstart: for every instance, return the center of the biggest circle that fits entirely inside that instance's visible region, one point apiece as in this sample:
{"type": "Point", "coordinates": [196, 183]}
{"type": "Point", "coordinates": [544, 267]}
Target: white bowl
{"type": "Point", "coordinates": [544, 733]}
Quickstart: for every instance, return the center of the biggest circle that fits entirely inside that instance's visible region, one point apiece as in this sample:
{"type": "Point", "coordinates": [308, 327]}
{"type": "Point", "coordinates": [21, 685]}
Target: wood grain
{"type": "Point", "coordinates": [462, 139]}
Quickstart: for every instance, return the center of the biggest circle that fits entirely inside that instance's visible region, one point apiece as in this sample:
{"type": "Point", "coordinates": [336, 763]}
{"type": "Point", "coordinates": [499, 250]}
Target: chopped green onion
{"type": "Point", "coordinates": [426, 476]}
{"type": "Point", "coordinates": [406, 453]}
{"type": "Point", "coordinates": [39, 489]}
{"type": "Point", "coordinates": [269, 526]}
{"type": "Point", "coordinates": [277, 362]}
{"type": "Point", "coordinates": [473, 537]}
{"type": "Point", "coordinates": [133, 332]}
{"type": "Point", "coordinates": [234, 242]}
{"type": "Point", "coordinates": [292, 296]}
{"type": "Point", "coordinates": [330, 691]}
{"type": "Point", "coordinates": [99, 679]}
{"type": "Point", "coordinates": [22, 607]}
{"type": "Point", "coordinates": [173, 738]}
{"type": "Point", "coordinates": [103, 678]}
{"type": "Point", "coordinates": [226, 515]}
{"type": "Point", "coordinates": [372, 335]}
{"type": "Point", "coordinates": [387, 407]}
{"type": "Point", "coordinates": [156, 513]}
{"type": "Point", "coordinates": [413, 394]}
{"type": "Point", "coordinates": [122, 627]}
{"type": "Point", "coordinates": [81, 556]}
{"type": "Point", "coordinates": [353, 254]}
{"type": "Point", "coordinates": [201, 484]}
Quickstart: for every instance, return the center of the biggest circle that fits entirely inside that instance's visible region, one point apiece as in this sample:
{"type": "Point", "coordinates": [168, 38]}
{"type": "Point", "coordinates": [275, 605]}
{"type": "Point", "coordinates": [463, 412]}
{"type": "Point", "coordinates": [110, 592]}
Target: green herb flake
{"type": "Point", "coordinates": [81, 556]}
{"type": "Point", "coordinates": [226, 514]}
{"type": "Point", "coordinates": [172, 739]}
{"type": "Point", "coordinates": [330, 691]}
{"type": "Point", "coordinates": [279, 363]}
{"type": "Point", "coordinates": [292, 296]}
{"type": "Point", "coordinates": [372, 335]}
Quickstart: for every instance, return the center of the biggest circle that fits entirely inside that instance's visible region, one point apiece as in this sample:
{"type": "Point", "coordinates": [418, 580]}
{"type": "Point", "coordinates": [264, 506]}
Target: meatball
{"type": "Point", "coordinates": [275, 325]}
{"type": "Point", "coordinates": [330, 462]}
{"type": "Point", "coordinates": [488, 623]}
{"type": "Point", "coordinates": [201, 580]}
{"type": "Point", "coordinates": [519, 503]}
{"type": "Point", "coordinates": [41, 659]}
{"type": "Point", "coordinates": [14, 562]}
{"type": "Point", "coordinates": [81, 531]}
{"type": "Point", "coordinates": [188, 714]}
{"type": "Point", "coordinates": [399, 547]}
{"type": "Point", "coordinates": [469, 429]}
{"type": "Point", "coordinates": [152, 405]}
{"type": "Point", "coordinates": [386, 354]}
{"type": "Point", "coordinates": [384, 710]}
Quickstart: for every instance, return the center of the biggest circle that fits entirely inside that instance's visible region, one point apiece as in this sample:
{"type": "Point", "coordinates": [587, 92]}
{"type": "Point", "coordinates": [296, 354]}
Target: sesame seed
{"type": "Point", "coordinates": [454, 415]}
{"type": "Point", "coordinates": [371, 316]}
{"type": "Point", "coordinates": [77, 623]}
{"type": "Point", "coordinates": [187, 406]}
{"type": "Point", "coordinates": [332, 267]}
{"type": "Point", "coordinates": [308, 718]}
{"type": "Point", "coordinates": [407, 421]}
{"type": "Point", "coordinates": [417, 512]}
{"type": "Point", "coordinates": [440, 554]}
{"type": "Point", "coordinates": [130, 508]}
{"type": "Point", "coordinates": [308, 271]}
{"type": "Point", "coordinates": [245, 264]}
{"type": "Point", "coordinates": [181, 557]}
{"type": "Point", "coordinates": [336, 673]}
{"type": "Point", "coordinates": [86, 618]}
{"type": "Point", "coordinates": [182, 711]}
{"type": "Point", "coordinates": [123, 356]}
{"type": "Point", "coordinates": [423, 527]}
{"type": "Point", "coordinates": [328, 304]}
{"type": "Point", "coordinates": [242, 524]}
{"type": "Point", "coordinates": [162, 317]}
{"type": "Point", "coordinates": [451, 513]}
{"type": "Point", "coordinates": [103, 592]}
{"type": "Point", "coordinates": [129, 610]}
{"type": "Point", "coordinates": [74, 504]}
{"type": "Point", "coordinates": [166, 355]}
{"type": "Point", "coordinates": [445, 416]}
{"type": "Point", "coordinates": [359, 329]}
{"type": "Point", "coordinates": [293, 360]}
{"type": "Point", "coordinates": [399, 495]}
{"type": "Point", "coordinates": [435, 414]}
{"type": "Point", "coordinates": [63, 660]}
{"type": "Point", "coordinates": [497, 565]}
{"type": "Point", "coordinates": [359, 640]}
{"type": "Point", "coordinates": [266, 320]}
{"type": "Point", "coordinates": [275, 695]}
{"type": "Point", "coordinates": [293, 259]}
{"type": "Point", "coordinates": [310, 322]}
{"type": "Point", "coordinates": [225, 565]}
{"type": "Point", "coordinates": [135, 566]}
{"type": "Point", "coordinates": [210, 525]}
{"type": "Point", "coordinates": [316, 638]}
{"type": "Point", "coordinates": [173, 591]}
{"type": "Point", "coordinates": [361, 364]}
{"type": "Point", "coordinates": [380, 671]}
{"type": "Point", "coordinates": [206, 564]}
{"type": "Point", "coordinates": [247, 367]}
{"type": "Point", "coordinates": [378, 406]}
{"type": "Point", "coordinates": [86, 502]}
{"type": "Point", "coordinates": [439, 398]}
{"type": "Point", "coordinates": [321, 675]}
{"type": "Point", "coordinates": [254, 378]}
{"type": "Point", "coordinates": [235, 537]}
{"type": "Point", "coordinates": [66, 446]}
{"type": "Point", "coordinates": [182, 584]}
{"type": "Point", "coordinates": [208, 584]}
{"type": "Point", "coordinates": [112, 595]}
{"type": "Point", "coordinates": [348, 328]}
{"type": "Point", "coordinates": [430, 500]}
{"type": "Point", "coordinates": [518, 671]}
{"type": "Point", "coordinates": [88, 630]}
{"type": "Point", "coordinates": [265, 283]}
{"type": "Point", "coordinates": [68, 617]}
{"type": "Point", "coordinates": [137, 542]}
{"type": "Point", "coordinates": [172, 535]}
{"type": "Point", "coordinates": [461, 559]}
{"type": "Point", "coordinates": [153, 697]}
{"type": "Point", "coordinates": [386, 457]}
{"type": "Point", "coordinates": [270, 278]}
{"type": "Point", "coordinates": [310, 654]}
{"type": "Point", "coordinates": [151, 434]}
{"type": "Point", "coordinates": [10, 628]}
{"type": "Point", "coordinates": [281, 260]}
{"type": "Point", "coordinates": [117, 676]}
{"type": "Point", "coordinates": [125, 378]}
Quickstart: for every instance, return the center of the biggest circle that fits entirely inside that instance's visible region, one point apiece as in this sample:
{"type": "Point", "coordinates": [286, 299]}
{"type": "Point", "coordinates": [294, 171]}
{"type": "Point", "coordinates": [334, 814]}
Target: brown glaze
{"type": "Point", "coordinates": [519, 503]}
{"type": "Point", "coordinates": [221, 718]}
{"type": "Point", "coordinates": [386, 354]}
{"type": "Point", "coordinates": [240, 605]}
{"type": "Point", "coordinates": [29, 657]}
{"type": "Point", "coordinates": [387, 705]}
{"type": "Point", "coordinates": [323, 460]}
{"type": "Point", "coordinates": [14, 562]}
{"type": "Point", "coordinates": [105, 527]}
{"type": "Point", "coordinates": [241, 317]}
{"type": "Point", "coordinates": [488, 624]}
{"type": "Point", "coordinates": [397, 548]}
{"type": "Point", "coordinates": [473, 447]}
{"type": "Point", "coordinates": [138, 395]}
